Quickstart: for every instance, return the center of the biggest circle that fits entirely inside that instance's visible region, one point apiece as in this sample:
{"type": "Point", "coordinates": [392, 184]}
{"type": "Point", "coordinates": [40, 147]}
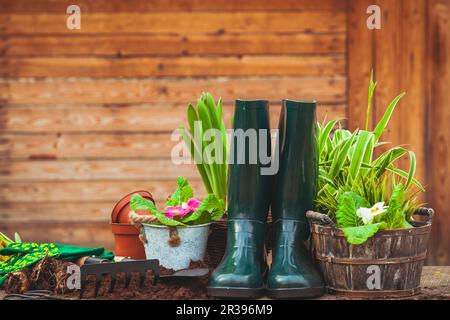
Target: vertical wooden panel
{"type": "Point", "coordinates": [411, 112]}
{"type": "Point", "coordinates": [360, 61]}
{"type": "Point", "coordinates": [400, 60]}
{"type": "Point", "coordinates": [438, 128]}
{"type": "Point", "coordinates": [388, 68]}
{"type": "Point", "coordinates": [396, 52]}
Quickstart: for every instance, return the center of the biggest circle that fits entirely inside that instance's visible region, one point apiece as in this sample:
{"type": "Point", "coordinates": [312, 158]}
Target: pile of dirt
{"type": "Point", "coordinates": [51, 274]}
{"type": "Point", "coordinates": [164, 289]}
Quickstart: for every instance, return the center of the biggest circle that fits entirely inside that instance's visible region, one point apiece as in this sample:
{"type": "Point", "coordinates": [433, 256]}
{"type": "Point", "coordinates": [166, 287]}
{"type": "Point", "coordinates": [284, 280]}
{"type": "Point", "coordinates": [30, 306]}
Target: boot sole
{"type": "Point", "coordinates": [291, 293]}
{"type": "Point", "coordinates": [230, 292]}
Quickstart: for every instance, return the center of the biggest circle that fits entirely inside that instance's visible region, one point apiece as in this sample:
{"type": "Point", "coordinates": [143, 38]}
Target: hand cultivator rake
{"type": "Point", "coordinates": [99, 268]}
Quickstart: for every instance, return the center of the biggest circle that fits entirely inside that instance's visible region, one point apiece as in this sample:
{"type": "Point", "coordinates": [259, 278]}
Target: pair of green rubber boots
{"type": "Point", "coordinates": [253, 188]}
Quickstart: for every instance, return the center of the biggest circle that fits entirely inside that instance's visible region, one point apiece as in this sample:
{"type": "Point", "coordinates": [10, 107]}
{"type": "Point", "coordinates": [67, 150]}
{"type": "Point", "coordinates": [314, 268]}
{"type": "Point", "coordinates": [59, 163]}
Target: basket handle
{"type": "Point", "coordinates": [426, 212]}
{"type": "Point", "coordinates": [319, 217]}
{"type": "Point", "coordinates": [138, 220]}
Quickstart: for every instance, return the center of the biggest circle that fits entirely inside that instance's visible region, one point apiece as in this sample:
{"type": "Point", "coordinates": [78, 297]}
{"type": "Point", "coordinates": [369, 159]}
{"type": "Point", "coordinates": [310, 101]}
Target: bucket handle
{"type": "Point", "coordinates": [138, 220]}
{"type": "Point", "coordinates": [319, 217]}
{"type": "Point", "coordinates": [426, 212]}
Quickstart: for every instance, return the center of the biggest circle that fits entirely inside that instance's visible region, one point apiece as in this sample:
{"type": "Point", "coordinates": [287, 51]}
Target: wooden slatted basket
{"type": "Point", "coordinates": [396, 257]}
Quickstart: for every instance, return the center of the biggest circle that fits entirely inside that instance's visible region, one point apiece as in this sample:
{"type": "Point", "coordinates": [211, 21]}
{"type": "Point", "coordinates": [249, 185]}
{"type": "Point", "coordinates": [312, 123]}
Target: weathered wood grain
{"type": "Point", "coordinates": [58, 6]}
{"type": "Point", "coordinates": [119, 118]}
{"type": "Point", "coordinates": [173, 66]}
{"type": "Point", "coordinates": [361, 60]}
{"type": "Point", "coordinates": [15, 212]}
{"type": "Point", "coordinates": [154, 45]}
{"type": "Point", "coordinates": [91, 170]}
{"type": "Point", "coordinates": [412, 109]}
{"type": "Point", "coordinates": [399, 51]}
{"type": "Point", "coordinates": [81, 191]}
{"type": "Point", "coordinates": [438, 129]}
{"type": "Point", "coordinates": [84, 146]}
{"type": "Point", "coordinates": [122, 91]}
{"type": "Point", "coordinates": [87, 234]}
{"type": "Point", "coordinates": [176, 22]}
{"type": "Point", "coordinates": [399, 66]}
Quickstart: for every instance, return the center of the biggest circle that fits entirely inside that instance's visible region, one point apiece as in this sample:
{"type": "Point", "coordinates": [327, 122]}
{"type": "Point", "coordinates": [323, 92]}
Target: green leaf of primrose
{"type": "Point", "coordinates": [167, 221]}
{"type": "Point", "coordinates": [181, 194]}
{"type": "Point", "coordinates": [360, 234]}
{"type": "Point", "coordinates": [394, 216]}
{"type": "Point", "coordinates": [137, 202]}
{"type": "Point", "coordinates": [212, 205]}
{"type": "Point", "coordinates": [348, 204]}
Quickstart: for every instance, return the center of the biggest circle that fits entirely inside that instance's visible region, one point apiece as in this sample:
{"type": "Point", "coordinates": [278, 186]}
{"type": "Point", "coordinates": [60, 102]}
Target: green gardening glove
{"type": "Point", "coordinates": [21, 255]}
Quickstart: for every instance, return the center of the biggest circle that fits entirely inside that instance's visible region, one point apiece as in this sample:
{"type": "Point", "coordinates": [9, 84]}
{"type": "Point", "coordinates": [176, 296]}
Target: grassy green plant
{"type": "Point", "coordinates": [348, 164]}
{"type": "Point", "coordinates": [206, 141]}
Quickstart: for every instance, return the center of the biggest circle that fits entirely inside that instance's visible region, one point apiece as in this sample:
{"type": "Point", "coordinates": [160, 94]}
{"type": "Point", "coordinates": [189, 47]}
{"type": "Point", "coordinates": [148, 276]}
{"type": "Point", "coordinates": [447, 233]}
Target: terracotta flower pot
{"type": "Point", "coordinates": [120, 212]}
{"type": "Point", "coordinates": [126, 241]}
{"type": "Point", "coordinates": [126, 235]}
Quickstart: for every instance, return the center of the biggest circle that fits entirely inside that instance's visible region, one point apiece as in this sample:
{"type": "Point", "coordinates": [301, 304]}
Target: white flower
{"type": "Point", "coordinates": [367, 214]}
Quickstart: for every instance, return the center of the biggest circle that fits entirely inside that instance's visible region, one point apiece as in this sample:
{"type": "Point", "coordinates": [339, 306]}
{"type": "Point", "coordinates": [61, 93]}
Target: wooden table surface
{"type": "Point", "coordinates": [435, 285]}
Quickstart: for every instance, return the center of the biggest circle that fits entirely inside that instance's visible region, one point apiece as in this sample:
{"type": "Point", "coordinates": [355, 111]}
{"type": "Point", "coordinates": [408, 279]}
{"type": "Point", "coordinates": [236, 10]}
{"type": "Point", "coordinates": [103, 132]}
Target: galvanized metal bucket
{"type": "Point", "coordinates": [175, 247]}
{"type": "Point", "coordinates": [387, 265]}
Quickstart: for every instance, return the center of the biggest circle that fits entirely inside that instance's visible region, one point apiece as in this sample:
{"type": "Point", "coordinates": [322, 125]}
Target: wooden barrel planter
{"type": "Point", "coordinates": [387, 265]}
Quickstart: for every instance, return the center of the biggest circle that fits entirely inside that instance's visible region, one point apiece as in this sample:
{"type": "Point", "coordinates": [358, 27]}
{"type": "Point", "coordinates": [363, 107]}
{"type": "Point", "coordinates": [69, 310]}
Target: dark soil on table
{"type": "Point", "coordinates": [51, 274]}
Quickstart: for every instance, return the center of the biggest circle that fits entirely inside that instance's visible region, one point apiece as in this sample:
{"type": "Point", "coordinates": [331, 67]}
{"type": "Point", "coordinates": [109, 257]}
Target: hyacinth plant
{"type": "Point", "coordinates": [362, 193]}
{"type": "Point", "coordinates": [206, 140]}
{"type": "Point", "coordinates": [181, 208]}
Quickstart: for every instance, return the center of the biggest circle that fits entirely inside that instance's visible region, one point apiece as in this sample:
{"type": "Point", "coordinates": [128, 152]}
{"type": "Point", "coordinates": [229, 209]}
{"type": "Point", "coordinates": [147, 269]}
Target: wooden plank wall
{"type": "Point", "coordinates": [438, 127]}
{"type": "Point", "coordinates": [86, 115]}
{"type": "Point", "coordinates": [410, 53]}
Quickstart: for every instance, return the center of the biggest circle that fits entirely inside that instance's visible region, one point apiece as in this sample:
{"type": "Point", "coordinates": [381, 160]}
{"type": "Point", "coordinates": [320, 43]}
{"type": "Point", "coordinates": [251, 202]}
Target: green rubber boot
{"type": "Point", "coordinates": [242, 271]}
{"type": "Point", "coordinates": [292, 274]}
